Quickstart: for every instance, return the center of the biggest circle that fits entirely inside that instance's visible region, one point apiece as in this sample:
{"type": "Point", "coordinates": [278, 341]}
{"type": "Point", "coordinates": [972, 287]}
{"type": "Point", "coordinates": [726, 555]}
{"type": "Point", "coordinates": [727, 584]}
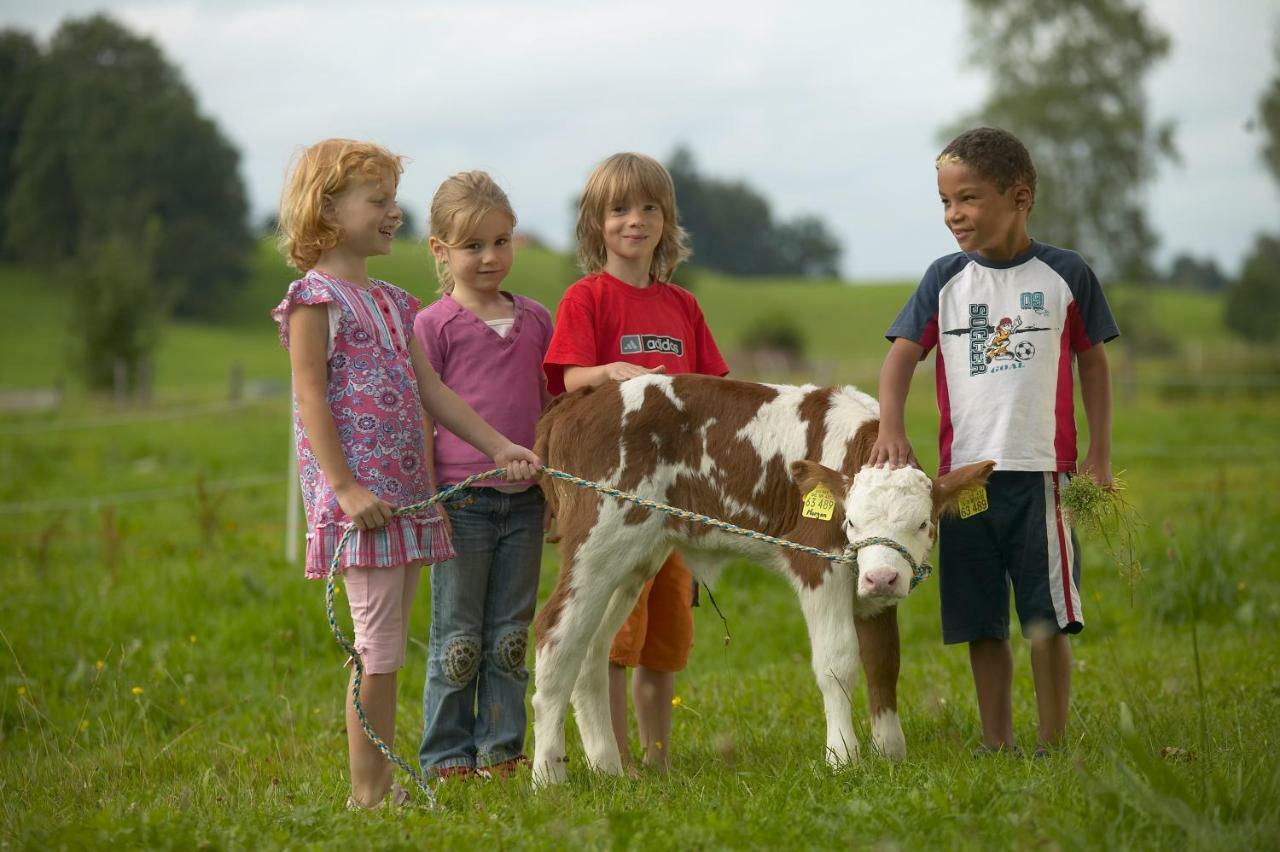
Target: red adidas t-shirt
{"type": "Point", "coordinates": [602, 319]}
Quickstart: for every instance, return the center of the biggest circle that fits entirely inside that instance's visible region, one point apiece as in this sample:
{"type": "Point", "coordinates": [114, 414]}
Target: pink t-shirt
{"type": "Point", "coordinates": [499, 376]}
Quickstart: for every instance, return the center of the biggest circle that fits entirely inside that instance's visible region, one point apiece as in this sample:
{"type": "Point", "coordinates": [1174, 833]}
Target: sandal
{"type": "Point", "coordinates": [397, 797]}
{"type": "Point", "coordinates": [454, 774]}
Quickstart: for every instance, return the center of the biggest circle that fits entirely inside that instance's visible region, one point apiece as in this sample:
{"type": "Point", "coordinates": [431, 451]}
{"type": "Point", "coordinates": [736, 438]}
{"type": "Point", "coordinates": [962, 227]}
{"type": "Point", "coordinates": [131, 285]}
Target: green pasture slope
{"type": "Point", "coordinates": [167, 679]}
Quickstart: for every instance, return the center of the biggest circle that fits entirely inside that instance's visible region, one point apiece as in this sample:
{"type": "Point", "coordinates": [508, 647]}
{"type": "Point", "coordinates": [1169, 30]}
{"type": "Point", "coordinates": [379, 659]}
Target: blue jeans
{"type": "Point", "coordinates": [481, 606]}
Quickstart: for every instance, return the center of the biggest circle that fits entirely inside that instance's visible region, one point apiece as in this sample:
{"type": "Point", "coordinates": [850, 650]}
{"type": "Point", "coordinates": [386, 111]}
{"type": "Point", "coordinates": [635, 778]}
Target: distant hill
{"type": "Point", "coordinates": [843, 326]}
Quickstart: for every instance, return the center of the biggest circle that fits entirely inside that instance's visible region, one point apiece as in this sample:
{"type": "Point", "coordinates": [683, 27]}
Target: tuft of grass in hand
{"type": "Point", "coordinates": [1107, 513]}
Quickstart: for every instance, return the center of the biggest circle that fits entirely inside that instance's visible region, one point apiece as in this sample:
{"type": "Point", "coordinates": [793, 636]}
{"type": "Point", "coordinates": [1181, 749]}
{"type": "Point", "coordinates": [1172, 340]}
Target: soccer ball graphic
{"type": "Point", "coordinates": [1024, 350]}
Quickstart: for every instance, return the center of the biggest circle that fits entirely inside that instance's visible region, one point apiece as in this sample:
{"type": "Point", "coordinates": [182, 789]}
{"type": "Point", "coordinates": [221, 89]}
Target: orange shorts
{"type": "Point", "coordinates": [659, 632]}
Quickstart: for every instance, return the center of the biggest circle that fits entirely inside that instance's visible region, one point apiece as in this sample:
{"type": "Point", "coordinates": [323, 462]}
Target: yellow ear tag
{"type": "Point", "coordinates": [972, 501]}
{"type": "Point", "coordinates": [819, 503]}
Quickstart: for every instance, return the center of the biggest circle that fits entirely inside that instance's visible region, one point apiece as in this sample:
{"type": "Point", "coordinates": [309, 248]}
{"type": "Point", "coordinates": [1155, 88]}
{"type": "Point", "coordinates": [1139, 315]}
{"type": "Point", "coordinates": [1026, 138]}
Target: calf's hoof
{"type": "Point", "coordinates": [548, 771]}
{"type": "Point", "coordinates": [842, 756]}
{"type": "Point", "coordinates": [886, 736]}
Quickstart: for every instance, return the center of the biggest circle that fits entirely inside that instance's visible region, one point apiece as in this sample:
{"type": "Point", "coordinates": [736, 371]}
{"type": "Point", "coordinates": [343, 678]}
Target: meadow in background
{"type": "Point", "coordinates": [168, 678]}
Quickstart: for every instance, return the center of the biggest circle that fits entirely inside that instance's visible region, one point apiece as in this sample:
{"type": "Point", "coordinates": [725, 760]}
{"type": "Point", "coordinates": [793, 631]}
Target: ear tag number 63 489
{"type": "Point", "coordinates": [819, 503]}
{"type": "Point", "coordinates": [972, 501]}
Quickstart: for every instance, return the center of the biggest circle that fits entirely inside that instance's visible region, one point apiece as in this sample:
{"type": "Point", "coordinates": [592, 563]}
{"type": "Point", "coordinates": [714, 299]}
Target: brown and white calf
{"type": "Point", "coordinates": [745, 453]}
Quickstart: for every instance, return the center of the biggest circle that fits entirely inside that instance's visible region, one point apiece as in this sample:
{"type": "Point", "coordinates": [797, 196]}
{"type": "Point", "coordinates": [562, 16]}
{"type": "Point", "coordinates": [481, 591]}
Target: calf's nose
{"type": "Point", "coordinates": [880, 581]}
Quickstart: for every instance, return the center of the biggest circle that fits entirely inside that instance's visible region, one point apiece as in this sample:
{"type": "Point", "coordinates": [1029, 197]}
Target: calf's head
{"type": "Point", "coordinates": [901, 505]}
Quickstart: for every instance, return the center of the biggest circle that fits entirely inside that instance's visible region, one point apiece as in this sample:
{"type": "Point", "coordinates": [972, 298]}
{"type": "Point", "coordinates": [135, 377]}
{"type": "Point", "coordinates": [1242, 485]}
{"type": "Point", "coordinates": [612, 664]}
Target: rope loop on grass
{"type": "Point", "coordinates": [919, 571]}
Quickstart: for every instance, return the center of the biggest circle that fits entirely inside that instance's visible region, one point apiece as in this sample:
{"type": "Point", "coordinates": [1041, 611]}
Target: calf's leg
{"type": "Point", "coordinates": [561, 649]}
{"type": "Point", "coordinates": [828, 612]}
{"type": "Point", "coordinates": [591, 692]}
{"type": "Point", "coordinates": [878, 646]}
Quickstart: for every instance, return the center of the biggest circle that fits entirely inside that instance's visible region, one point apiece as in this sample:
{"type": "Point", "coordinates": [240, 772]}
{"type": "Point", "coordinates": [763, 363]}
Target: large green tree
{"type": "Point", "coordinates": [19, 69]}
{"type": "Point", "coordinates": [1269, 112]}
{"type": "Point", "coordinates": [112, 145]}
{"type": "Point", "coordinates": [733, 229]}
{"type": "Point", "coordinates": [1067, 78]}
{"type": "Point", "coordinates": [1253, 302]}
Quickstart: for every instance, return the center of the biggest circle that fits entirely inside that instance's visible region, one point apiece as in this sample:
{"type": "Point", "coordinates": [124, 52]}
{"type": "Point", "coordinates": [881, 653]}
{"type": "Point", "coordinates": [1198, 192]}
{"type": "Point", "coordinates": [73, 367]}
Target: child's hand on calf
{"type": "Point", "coordinates": [620, 371]}
{"type": "Point", "coordinates": [893, 450]}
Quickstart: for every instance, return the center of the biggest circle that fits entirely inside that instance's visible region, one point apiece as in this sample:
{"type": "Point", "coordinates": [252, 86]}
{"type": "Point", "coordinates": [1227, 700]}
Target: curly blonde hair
{"type": "Point", "coordinates": [457, 208]}
{"type": "Point", "coordinates": [322, 171]}
{"type": "Point", "coordinates": [630, 177]}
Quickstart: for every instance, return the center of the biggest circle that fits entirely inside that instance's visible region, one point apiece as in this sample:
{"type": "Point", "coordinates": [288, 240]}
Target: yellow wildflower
{"type": "Point", "coordinates": [137, 690]}
{"type": "Point", "coordinates": [192, 637]}
{"type": "Point", "coordinates": [84, 724]}
{"type": "Point", "coordinates": [100, 665]}
{"type": "Point", "coordinates": [22, 690]}
{"type": "Point", "coordinates": [677, 701]}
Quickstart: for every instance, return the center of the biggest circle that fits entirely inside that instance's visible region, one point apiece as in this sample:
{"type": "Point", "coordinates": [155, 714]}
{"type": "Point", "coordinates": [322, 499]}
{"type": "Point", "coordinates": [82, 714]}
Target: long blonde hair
{"type": "Point", "coordinates": [457, 209]}
{"type": "Point", "coordinates": [630, 177]}
{"type": "Point", "coordinates": [322, 171]}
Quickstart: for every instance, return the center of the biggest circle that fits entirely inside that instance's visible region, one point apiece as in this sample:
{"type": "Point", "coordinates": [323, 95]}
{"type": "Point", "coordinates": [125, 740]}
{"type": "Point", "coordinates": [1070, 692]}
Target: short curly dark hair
{"type": "Point", "coordinates": [995, 154]}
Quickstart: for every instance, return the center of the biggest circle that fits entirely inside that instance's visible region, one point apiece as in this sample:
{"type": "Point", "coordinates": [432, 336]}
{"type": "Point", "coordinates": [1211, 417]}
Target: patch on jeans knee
{"type": "Point", "coordinates": [461, 658]}
{"type": "Point", "coordinates": [511, 649]}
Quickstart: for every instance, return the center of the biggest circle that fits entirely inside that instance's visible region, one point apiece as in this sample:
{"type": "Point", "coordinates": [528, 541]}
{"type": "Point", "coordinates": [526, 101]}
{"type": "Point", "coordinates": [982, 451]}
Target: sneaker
{"type": "Point", "coordinates": [1042, 752]}
{"type": "Point", "coordinates": [454, 774]}
{"type": "Point", "coordinates": [985, 750]}
{"type": "Point", "coordinates": [505, 769]}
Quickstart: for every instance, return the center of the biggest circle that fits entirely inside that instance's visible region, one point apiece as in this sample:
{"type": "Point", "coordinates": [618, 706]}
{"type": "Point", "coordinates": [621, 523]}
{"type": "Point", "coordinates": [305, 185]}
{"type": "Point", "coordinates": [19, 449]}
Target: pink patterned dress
{"type": "Point", "coordinates": [373, 397]}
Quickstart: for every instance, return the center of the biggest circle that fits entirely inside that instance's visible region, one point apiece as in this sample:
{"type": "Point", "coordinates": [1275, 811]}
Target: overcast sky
{"type": "Point", "coordinates": [830, 108]}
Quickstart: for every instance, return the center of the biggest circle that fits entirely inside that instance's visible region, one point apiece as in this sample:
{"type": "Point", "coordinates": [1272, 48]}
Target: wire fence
{"type": "Point", "coordinates": [152, 495]}
{"type": "Point", "coordinates": [1255, 455]}
{"type": "Point", "coordinates": [45, 427]}
{"type": "Point", "coordinates": [1266, 454]}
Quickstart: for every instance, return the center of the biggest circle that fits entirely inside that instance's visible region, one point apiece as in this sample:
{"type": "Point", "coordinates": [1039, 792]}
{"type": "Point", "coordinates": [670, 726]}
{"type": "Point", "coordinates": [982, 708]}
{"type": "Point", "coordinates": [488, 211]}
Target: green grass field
{"type": "Point", "coordinates": [169, 681]}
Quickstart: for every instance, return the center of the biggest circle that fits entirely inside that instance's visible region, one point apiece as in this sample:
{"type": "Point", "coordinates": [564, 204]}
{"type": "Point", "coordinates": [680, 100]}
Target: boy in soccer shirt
{"type": "Point", "coordinates": [1008, 316]}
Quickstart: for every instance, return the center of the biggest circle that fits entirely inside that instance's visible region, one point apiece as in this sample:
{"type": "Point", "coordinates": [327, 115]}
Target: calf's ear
{"type": "Point", "coordinates": [809, 474]}
{"type": "Point", "coordinates": [947, 488]}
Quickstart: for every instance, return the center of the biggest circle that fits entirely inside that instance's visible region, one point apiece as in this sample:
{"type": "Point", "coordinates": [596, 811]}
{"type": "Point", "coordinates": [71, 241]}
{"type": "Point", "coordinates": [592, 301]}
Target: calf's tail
{"type": "Point", "coordinates": [543, 444]}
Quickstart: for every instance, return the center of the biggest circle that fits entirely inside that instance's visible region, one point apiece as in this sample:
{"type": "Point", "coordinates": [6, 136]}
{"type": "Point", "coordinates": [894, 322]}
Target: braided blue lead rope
{"type": "Point", "coordinates": [919, 571]}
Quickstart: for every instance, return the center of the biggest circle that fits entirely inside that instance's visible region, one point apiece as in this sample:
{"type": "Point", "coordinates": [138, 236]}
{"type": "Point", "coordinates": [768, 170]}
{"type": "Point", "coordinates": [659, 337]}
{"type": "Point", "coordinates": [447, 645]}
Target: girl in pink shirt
{"type": "Point", "coordinates": [487, 345]}
{"type": "Point", "coordinates": [360, 382]}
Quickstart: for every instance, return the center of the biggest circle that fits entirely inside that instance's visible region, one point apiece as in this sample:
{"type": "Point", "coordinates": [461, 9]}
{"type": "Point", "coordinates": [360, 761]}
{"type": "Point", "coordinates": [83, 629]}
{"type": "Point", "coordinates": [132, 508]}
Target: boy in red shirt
{"type": "Point", "coordinates": [625, 319]}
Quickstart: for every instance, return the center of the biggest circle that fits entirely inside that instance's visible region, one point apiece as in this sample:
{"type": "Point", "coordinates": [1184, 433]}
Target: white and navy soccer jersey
{"type": "Point", "coordinates": [1006, 333]}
